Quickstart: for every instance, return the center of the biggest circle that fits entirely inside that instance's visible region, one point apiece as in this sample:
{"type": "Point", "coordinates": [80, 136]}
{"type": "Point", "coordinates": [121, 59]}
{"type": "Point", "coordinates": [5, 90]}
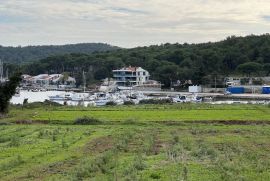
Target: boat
{"type": "Point", "coordinates": [61, 97]}
{"type": "Point", "coordinates": [195, 98]}
{"type": "Point", "coordinates": [180, 99]}
{"type": "Point", "coordinates": [79, 97]}
{"type": "Point", "coordinates": [35, 90]}
{"type": "Point", "coordinates": [101, 101]}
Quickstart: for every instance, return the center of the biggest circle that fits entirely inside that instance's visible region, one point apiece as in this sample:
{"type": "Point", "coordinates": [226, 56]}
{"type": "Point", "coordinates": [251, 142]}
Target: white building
{"type": "Point", "coordinates": [131, 76]}
{"type": "Point", "coordinates": [44, 80]}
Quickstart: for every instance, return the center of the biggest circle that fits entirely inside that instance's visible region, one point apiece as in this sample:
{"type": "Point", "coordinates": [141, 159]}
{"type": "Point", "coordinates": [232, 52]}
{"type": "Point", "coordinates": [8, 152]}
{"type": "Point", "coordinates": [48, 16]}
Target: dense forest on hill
{"type": "Point", "coordinates": [202, 63]}
{"type": "Point", "coordinates": [34, 53]}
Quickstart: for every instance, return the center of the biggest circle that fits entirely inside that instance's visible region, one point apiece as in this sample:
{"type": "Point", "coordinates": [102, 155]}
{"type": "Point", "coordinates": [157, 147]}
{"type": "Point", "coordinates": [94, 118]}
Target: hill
{"type": "Point", "coordinates": [201, 63]}
{"type": "Point", "coordinates": [33, 53]}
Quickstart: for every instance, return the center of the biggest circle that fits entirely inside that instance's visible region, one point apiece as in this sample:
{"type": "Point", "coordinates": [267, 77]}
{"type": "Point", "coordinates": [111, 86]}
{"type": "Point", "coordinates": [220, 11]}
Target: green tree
{"type": "Point", "coordinates": [101, 73]}
{"type": "Point", "coordinates": [266, 68]}
{"type": "Point", "coordinates": [249, 68]}
{"type": "Point", "coordinates": [189, 61]}
{"type": "Point", "coordinates": [168, 74]}
{"type": "Point", "coordinates": [7, 90]}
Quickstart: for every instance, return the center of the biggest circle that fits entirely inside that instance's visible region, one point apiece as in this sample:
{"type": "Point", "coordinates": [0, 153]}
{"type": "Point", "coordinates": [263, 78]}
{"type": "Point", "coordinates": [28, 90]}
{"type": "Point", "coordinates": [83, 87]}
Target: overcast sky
{"type": "Point", "coordinates": [129, 23]}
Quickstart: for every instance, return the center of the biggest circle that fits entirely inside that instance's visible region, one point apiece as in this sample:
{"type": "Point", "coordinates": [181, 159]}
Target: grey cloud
{"type": "Point", "coordinates": [128, 10]}
{"type": "Point", "coordinates": [129, 23]}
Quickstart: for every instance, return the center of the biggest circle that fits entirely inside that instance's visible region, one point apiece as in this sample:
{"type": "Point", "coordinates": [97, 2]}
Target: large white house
{"type": "Point", "coordinates": [131, 76]}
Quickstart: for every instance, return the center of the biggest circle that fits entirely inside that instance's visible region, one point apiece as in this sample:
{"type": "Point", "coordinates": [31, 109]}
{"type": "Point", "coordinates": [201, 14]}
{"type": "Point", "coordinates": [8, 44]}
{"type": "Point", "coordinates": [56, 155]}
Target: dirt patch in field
{"type": "Point", "coordinates": [99, 145]}
{"type": "Point", "coordinates": [62, 167]}
{"type": "Point", "coordinates": [220, 122]}
{"type": "Point", "coordinates": [59, 167]}
{"type": "Point", "coordinates": [158, 145]}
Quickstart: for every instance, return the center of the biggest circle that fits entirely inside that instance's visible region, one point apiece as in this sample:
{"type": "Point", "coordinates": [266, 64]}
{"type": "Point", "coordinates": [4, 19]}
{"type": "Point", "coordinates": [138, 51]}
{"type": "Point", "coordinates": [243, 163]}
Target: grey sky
{"type": "Point", "coordinates": [129, 23]}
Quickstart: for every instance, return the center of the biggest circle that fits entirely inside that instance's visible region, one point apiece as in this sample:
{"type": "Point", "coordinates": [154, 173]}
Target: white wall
{"type": "Point", "coordinates": [195, 89]}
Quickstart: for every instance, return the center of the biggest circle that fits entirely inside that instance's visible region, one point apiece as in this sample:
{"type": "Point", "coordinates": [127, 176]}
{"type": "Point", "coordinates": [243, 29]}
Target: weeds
{"type": "Point", "coordinates": [14, 142]}
{"type": "Point", "coordinates": [87, 121]}
{"type": "Point", "coordinates": [149, 144]}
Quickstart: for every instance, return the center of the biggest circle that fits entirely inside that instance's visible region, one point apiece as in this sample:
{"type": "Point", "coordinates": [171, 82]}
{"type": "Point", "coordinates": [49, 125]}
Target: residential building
{"type": "Point", "coordinates": [44, 80]}
{"type": "Point", "coordinates": [131, 76]}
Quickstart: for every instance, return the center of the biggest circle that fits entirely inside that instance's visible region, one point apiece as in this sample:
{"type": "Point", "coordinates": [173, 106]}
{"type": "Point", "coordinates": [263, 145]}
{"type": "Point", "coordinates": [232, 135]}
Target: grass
{"type": "Point", "coordinates": [182, 112]}
{"type": "Point", "coordinates": [141, 146]}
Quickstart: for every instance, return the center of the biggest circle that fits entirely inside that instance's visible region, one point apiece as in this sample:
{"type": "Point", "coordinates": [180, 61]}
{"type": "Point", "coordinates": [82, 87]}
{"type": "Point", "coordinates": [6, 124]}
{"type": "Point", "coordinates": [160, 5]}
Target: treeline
{"type": "Point", "coordinates": [35, 53]}
{"type": "Point", "coordinates": [201, 63]}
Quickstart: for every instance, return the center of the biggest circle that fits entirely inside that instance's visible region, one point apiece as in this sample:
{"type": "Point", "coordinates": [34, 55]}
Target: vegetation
{"type": "Point", "coordinates": [141, 113]}
{"type": "Point", "coordinates": [156, 101]}
{"type": "Point", "coordinates": [7, 90]}
{"type": "Point", "coordinates": [134, 148]}
{"type": "Point", "coordinates": [14, 55]}
{"type": "Point", "coordinates": [249, 68]}
{"type": "Point", "coordinates": [201, 63]}
{"type": "Point", "coordinates": [87, 121]}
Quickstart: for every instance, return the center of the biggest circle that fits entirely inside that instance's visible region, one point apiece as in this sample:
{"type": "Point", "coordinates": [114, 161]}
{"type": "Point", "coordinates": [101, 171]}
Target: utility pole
{"type": "Point", "coordinates": [7, 74]}
{"type": "Point", "coordinates": [1, 71]}
{"type": "Point", "coordinates": [215, 84]}
{"type": "Point", "coordinates": [84, 82]}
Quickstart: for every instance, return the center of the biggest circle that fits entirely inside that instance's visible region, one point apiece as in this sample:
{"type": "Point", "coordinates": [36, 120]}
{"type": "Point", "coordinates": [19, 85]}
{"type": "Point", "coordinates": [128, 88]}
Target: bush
{"type": "Point", "coordinates": [155, 176]}
{"type": "Point", "coordinates": [129, 122]}
{"type": "Point", "coordinates": [111, 103]}
{"type": "Point", "coordinates": [156, 101]}
{"type": "Point", "coordinates": [127, 103]}
{"type": "Point", "coordinates": [4, 123]}
{"type": "Point", "coordinates": [41, 104]}
{"type": "Point", "coordinates": [87, 121]}
{"type": "Point", "coordinates": [139, 163]}
{"type": "Point", "coordinates": [89, 167]}
{"type": "Point", "coordinates": [14, 142]}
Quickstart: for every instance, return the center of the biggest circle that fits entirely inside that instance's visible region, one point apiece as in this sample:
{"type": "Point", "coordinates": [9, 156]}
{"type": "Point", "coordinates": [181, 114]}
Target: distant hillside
{"type": "Point", "coordinates": [201, 63]}
{"type": "Point", "coordinates": [33, 53]}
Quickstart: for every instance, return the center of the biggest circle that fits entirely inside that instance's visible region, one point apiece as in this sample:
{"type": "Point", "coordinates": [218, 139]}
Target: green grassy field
{"type": "Point", "coordinates": [146, 142]}
{"type": "Point", "coordinates": [144, 113]}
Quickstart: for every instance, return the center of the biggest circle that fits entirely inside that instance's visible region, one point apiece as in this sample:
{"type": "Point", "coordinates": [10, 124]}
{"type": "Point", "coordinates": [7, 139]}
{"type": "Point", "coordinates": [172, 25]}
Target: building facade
{"type": "Point", "coordinates": [131, 76]}
{"type": "Point", "coordinates": [44, 80]}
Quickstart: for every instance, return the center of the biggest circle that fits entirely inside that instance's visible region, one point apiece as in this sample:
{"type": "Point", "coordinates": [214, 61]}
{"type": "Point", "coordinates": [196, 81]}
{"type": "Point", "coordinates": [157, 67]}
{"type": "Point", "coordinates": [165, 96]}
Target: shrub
{"type": "Point", "coordinates": [175, 138]}
{"type": "Point", "coordinates": [127, 103]}
{"type": "Point", "coordinates": [129, 122]}
{"type": "Point", "coordinates": [14, 142]}
{"type": "Point", "coordinates": [41, 104]}
{"type": "Point", "coordinates": [64, 143]}
{"type": "Point", "coordinates": [139, 163]}
{"type": "Point", "coordinates": [155, 176]}
{"type": "Point", "coordinates": [54, 138]}
{"type": "Point", "coordinates": [89, 167]}
{"type": "Point", "coordinates": [149, 145]}
{"type": "Point", "coordinates": [122, 144]}
{"type": "Point", "coordinates": [156, 101]}
{"type": "Point", "coordinates": [111, 103]}
{"type": "Point", "coordinates": [4, 123]}
{"type": "Point", "coordinates": [87, 121]}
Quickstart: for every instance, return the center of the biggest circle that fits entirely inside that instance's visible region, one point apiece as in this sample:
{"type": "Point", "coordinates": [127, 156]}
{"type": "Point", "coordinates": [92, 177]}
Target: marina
{"type": "Point", "coordinates": [120, 97]}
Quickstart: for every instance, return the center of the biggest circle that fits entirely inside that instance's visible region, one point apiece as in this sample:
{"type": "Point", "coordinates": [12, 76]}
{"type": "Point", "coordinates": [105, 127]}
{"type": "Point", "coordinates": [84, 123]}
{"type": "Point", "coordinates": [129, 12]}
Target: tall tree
{"type": "Point", "coordinates": [266, 68]}
{"type": "Point", "coordinates": [7, 90]}
{"type": "Point", "coordinates": [249, 68]}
